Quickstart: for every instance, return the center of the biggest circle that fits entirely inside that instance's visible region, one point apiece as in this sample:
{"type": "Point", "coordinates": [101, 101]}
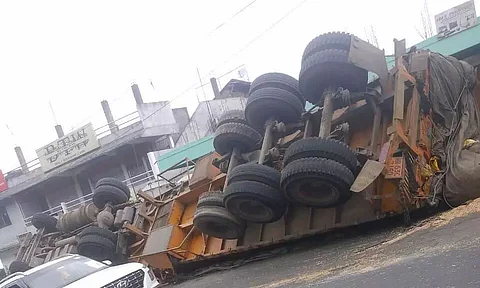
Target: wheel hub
{"type": "Point", "coordinates": [318, 192]}
{"type": "Point", "coordinates": [254, 210]}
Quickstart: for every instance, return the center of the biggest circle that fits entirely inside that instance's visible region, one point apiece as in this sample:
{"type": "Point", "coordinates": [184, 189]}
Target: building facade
{"type": "Point", "coordinates": [121, 153]}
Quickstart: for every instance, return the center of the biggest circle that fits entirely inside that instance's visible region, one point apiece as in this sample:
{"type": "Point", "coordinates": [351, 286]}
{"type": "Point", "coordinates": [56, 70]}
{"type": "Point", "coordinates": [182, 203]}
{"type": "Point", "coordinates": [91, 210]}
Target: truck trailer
{"type": "Point", "coordinates": [357, 138]}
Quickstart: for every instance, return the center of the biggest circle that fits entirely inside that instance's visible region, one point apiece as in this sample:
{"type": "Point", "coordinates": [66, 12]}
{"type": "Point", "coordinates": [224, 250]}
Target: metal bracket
{"type": "Point", "coordinates": [365, 55]}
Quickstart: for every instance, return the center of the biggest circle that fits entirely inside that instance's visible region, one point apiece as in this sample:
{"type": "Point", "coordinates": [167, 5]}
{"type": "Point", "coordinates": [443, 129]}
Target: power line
{"type": "Point", "coordinates": [261, 34]}
{"type": "Point", "coordinates": [233, 55]}
{"type": "Point", "coordinates": [232, 17]}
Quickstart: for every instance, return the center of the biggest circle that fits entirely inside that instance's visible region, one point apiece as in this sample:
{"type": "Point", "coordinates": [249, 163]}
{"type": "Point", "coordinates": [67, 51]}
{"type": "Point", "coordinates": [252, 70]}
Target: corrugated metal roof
{"type": "Point", "coordinates": [446, 46]}
{"type": "Point", "coordinates": [192, 151]}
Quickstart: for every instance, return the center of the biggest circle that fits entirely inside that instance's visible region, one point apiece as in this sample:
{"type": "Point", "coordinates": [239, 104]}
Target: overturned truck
{"type": "Point", "coordinates": [375, 143]}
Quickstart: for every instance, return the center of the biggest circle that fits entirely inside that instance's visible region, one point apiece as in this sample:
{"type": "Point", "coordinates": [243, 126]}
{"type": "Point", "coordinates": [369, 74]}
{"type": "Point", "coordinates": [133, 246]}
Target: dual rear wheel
{"type": "Point", "coordinates": [317, 172]}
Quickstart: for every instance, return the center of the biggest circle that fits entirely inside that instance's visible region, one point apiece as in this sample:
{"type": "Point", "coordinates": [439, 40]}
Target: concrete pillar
{"type": "Point", "coordinates": [91, 184]}
{"type": "Point", "coordinates": [128, 183]}
{"type": "Point", "coordinates": [21, 159]}
{"type": "Point", "coordinates": [109, 116]}
{"type": "Point", "coordinates": [59, 130]}
{"type": "Point", "coordinates": [145, 165]}
{"type": "Point", "coordinates": [64, 207]}
{"type": "Point", "coordinates": [137, 94]}
{"type": "Point", "coordinates": [214, 83]}
{"type": "Point", "coordinates": [78, 189]}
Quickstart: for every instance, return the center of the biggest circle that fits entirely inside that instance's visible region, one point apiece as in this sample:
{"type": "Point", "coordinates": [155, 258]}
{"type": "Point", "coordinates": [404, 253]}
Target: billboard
{"type": "Point", "coordinates": [68, 148]}
{"type": "Point", "coordinates": [3, 182]}
{"type": "Point", "coordinates": [456, 19]}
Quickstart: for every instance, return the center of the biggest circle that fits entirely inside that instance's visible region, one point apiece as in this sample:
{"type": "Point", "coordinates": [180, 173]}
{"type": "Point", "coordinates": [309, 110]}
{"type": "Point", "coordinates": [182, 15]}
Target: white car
{"type": "Point", "coordinates": [74, 271]}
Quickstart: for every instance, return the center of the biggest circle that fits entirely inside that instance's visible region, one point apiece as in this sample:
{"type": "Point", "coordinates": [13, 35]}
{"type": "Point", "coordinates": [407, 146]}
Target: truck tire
{"type": "Point", "coordinates": [266, 103]}
{"type": "Point", "coordinates": [96, 247]}
{"type": "Point", "coordinates": [106, 193]}
{"type": "Point", "coordinates": [317, 182]}
{"type": "Point", "coordinates": [322, 148]}
{"type": "Point", "coordinates": [255, 172]}
{"type": "Point", "coordinates": [232, 116]}
{"type": "Point", "coordinates": [218, 222]}
{"type": "Point", "coordinates": [18, 266]}
{"type": "Point", "coordinates": [254, 201]}
{"type": "Point", "coordinates": [41, 220]}
{"type": "Point", "coordinates": [231, 135]}
{"type": "Point", "coordinates": [98, 231]}
{"type": "Point", "coordinates": [114, 182]}
{"type": "Point", "coordinates": [210, 198]}
{"type": "Point", "coordinates": [330, 68]}
{"type": "Point", "coordinates": [277, 80]}
{"type": "Point", "coordinates": [330, 40]}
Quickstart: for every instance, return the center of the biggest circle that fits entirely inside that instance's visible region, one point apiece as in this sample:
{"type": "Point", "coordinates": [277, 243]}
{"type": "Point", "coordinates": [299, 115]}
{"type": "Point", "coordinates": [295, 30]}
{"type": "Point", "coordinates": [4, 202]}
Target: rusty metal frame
{"type": "Point", "coordinates": [365, 55]}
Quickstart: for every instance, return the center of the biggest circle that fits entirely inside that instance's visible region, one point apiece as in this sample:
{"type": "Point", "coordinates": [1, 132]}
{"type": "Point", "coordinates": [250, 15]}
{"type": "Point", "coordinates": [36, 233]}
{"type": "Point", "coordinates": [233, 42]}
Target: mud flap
{"type": "Point", "coordinates": [370, 171]}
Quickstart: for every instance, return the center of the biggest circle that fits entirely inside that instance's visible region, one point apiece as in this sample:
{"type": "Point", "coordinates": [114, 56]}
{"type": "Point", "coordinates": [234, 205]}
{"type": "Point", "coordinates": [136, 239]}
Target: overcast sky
{"type": "Point", "coordinates": [74, 54]}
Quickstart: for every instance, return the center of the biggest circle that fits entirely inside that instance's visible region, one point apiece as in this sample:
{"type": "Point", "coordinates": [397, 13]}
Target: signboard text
{"type": "Point", "coordinates": [456, 19]}
{"type": "Point", "coordinates": [67, 148]}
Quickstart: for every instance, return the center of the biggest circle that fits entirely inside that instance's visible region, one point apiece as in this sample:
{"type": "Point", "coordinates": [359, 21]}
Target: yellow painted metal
{"type": "Point", "coordinates": [408, 129]}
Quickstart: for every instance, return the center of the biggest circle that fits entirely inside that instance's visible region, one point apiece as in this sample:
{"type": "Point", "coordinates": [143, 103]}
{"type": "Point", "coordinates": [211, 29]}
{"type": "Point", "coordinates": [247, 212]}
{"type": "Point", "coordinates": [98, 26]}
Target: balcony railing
{"type": "Point", "coordinates": [103, 131]}
{"type": "Point", "coordinates": [146, 180]}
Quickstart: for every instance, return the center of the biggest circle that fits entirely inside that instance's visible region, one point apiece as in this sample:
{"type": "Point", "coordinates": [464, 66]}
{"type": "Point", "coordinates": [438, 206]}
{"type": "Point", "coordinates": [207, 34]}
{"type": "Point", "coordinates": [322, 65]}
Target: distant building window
{"type": "Point", "coordinates": [4, 218]}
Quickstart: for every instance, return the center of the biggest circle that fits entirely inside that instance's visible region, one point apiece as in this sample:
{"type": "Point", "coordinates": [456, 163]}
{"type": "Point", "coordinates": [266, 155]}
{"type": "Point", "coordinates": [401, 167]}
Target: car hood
{"type": "Point", "coordinates": [105, 276]}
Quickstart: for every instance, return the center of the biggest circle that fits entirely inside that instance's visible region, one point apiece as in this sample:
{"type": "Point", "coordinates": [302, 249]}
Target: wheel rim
{"type": "Point", "coordinates": [318, 192]}
{"type": "Point", "coordinates": [315, 192]}
{"type": "Point", "coordinates": [254, 210]}
{"type": "Point", "coordinates": [250, 209]}
{"type": "Point", "coordinates": [215, 228]}
{"type": "Point", "coordinates": [219, 228]}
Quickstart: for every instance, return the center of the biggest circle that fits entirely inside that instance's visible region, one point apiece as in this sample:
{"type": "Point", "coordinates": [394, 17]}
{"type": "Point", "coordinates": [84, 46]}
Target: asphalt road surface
{"type": "Point", "coordinates": [433, 253]}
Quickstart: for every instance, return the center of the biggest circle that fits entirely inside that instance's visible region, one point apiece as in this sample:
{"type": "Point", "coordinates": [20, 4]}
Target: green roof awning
{"type": "Point", "coordinates": [193, 151]}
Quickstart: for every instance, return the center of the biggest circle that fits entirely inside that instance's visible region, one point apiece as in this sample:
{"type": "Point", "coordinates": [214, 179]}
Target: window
{"type": "Point", "coordinates": [4, 218]}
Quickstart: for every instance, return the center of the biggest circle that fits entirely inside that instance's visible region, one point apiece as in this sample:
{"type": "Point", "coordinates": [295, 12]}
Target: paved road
{"type": "Point", "coordinates": [455, 268]}
{"type": "Point", "coordinates": [433, 254]}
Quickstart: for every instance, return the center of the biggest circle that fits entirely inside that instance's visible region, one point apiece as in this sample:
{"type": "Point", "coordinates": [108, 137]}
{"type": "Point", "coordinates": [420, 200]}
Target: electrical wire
{"type": "Point", "coordinates": [231, 17]}
{"type": "Point", "coordinates": [259, 36]}
{"type": "Point", "coordinates": [226, 61]}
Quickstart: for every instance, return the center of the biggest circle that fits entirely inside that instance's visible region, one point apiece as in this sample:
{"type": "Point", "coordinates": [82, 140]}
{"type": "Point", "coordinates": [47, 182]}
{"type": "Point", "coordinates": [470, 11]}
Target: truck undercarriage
{"type": "Point", "coordinates": [375, 143]}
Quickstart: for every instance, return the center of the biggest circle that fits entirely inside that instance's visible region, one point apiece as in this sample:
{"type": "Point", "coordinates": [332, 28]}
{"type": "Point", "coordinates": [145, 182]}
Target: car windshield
{"type": "Point", "coordinates": [62, 273]}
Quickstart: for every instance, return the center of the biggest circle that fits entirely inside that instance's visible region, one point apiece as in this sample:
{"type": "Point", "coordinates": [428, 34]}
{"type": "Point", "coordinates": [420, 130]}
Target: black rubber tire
{"type": "Point", "coordinates": [329, 180]}
{"type": "Point", "coordinates": [276, 103]}
{"type": "Point", "coordinates": [96, 247]}
{"type": "Point", "coordinates": [106, 193]}
{"type": "Point", "coordinates": [99, 231]}
{"type": "Point", "coordinates": [232, 116]}
{"type": "Point", "coordinates": [330, 68]}
{"type": "Point", "coordinates": [210, 198]}
{"type": "Point", "coordinates": [322, 148]}
{"type": "Point", "coordinates": [254, 201]}
{"type": "Point", "coordinates": [114, 182]}
{"type": "Point", "coordinates": [230, 135]}
{"type": "Point", "coordinates": [218, 222]}
{"type": "Point", "coordinates": [18, 266]}
{"type": "Point", "coordinates": [255, 172]}
{"type": "Point", "coordinates": [41, 220]}
{"type": "Point", "coordinates": [330, 40]}
{"type": "Point", "coordinates": [277, 80]}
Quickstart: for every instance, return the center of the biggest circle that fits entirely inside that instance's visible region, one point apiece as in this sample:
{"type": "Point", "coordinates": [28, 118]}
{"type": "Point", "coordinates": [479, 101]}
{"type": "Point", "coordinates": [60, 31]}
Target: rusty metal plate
{"type": "Point", "coordinates": [158, 240]}
{"type": "Point", "coordinates": [370, 171]}
{"type": "Point", "coordinates": [395, 168]}
{"type": "Point", "coordinates": [365, 55]}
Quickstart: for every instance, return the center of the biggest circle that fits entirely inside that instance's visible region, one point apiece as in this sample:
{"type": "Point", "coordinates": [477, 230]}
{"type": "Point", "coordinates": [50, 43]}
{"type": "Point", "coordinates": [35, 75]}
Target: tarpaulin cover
{"type": "Point", "coordinates": [456, 119]}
